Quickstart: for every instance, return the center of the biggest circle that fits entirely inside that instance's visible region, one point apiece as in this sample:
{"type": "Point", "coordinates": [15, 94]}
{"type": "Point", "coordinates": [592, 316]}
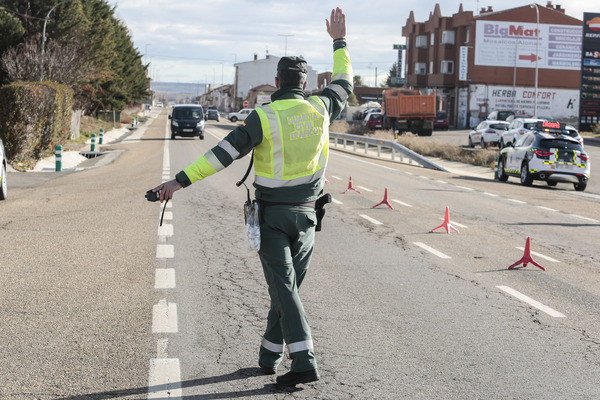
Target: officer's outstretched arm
{"type": "Point", "coordinates": [334, 96]}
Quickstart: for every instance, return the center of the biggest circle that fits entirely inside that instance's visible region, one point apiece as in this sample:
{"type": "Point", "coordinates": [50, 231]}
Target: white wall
{"type": "Point", "coordinates": [260, 72]}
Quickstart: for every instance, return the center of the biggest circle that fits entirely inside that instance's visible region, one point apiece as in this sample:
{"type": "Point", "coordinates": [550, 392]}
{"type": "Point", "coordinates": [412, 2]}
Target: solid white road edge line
{"type": "Point", "coordinates": [164, 278]}
{"type": "Point", "coordinates": [432, 250]}
{"type": "Point", "coordinates": [164, 380]}
{"type": "Point", "coordinates": [540, 255]}
{"type": "Point", "coordinates": [164, 317]}
{"type": "Point", "coordinates": [534, 303]}
{"type": "Point", "coordinates": [372, 220]}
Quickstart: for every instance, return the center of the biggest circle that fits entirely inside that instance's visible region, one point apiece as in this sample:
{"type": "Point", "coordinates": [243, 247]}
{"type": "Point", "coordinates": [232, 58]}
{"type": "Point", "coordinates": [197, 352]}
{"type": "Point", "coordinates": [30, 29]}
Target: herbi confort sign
{"type": "Point", "coordinates": [557, 103]}
{"type": "Point", "coordinates": [510, 44]}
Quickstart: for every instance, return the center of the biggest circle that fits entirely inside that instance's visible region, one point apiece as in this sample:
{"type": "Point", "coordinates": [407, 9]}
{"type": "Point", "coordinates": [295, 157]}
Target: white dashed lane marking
{"type": "Point", "coordinates": [364, 188]}
{"type": "Point", "coordinates": [336, 177]}
{"type": "Point", "coordinates": [166, 230]}
{"type": "Point", "coordinates": [455, 223]}
{"type": "Point", "coordinates": [546, 208]}
{"type": "Point", "coordinates": [517, 201]}
{"type": "Point", "coordinates": [432, 250]}
{"type": "Point", "coordinates": [490, 194]}
{"type": "Point", "coordinates": [165, 251]}
{"type": "Point", "coordinates": [584, 218]}
{"type": "Point", "coordinates": [168, 215]}
{"type": "Point", "coordinates": [164, 278]}
{"type": "Point", "coordinates": [164, 317]}
{"type": "Point", "coordinates": [465, 188]}
{"type": "Point", "coordinates": [534, 303]}
{"type": "Point", "coordinates": [336, 201]}
{"type": "Point", "coordinates": [540, 255]}
{"type": "Point", "coordinates": [164, 381]}
{"type": "Point", "coordinates": [372, 220]}
{"type": "Point", "coordinates": [401, 203]}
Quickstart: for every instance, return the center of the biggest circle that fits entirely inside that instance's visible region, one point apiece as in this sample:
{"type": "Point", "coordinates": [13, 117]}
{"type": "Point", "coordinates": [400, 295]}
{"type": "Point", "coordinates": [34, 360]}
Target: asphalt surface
{"type": "Point", "coordinates": [397, 312]}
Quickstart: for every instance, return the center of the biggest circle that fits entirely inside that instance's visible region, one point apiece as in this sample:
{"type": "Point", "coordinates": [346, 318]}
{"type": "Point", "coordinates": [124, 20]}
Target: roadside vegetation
{"type": "Point", "coordinates": [424, 145]}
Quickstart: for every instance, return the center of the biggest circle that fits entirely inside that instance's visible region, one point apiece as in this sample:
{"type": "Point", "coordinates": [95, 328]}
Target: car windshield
{"type": "Point", "coordinates": [560, 144]}
{"type": "Point", "coordinates": [212, 111]}
{"type": "Point", "coordinates": [502, 127]}
{"type": "Point", "coordinates": [187, 113]}
{"type": "Point", "coordinates": [530, 125]}
{"type": "Point", "coordinates": [440, 115]}
{"type": "Point", "coordinates": [502, 115]}
{"type": "Point", "coordinates": [376, 116]}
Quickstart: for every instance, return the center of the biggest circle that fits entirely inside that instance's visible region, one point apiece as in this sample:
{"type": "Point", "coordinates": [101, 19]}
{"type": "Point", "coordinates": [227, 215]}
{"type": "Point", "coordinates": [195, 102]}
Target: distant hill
{"type": "Point", "coordinates": [176, 91]}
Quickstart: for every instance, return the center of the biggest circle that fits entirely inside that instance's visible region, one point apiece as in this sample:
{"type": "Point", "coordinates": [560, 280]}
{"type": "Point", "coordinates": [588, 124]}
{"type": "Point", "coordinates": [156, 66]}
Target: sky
{"type": "Point", "coordinates": [198, 41]}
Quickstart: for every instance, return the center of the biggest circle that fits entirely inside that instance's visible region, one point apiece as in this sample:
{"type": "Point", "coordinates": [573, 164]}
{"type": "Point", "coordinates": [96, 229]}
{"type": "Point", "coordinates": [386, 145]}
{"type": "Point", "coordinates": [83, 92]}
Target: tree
{"type": "Point", "coordinates": [393, 72]}
{"type": "Point", "coordinates": [358, 81]}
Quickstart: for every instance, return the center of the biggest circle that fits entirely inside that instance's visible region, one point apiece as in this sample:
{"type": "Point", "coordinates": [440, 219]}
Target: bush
{"type": "Point", "coordinates": [34, 117]}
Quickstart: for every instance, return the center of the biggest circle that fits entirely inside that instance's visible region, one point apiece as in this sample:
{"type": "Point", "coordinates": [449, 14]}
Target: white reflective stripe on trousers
{"type": "Point", "coordinates": [300, 346]}
{"type": "Point", "coordinates": [275, 348]}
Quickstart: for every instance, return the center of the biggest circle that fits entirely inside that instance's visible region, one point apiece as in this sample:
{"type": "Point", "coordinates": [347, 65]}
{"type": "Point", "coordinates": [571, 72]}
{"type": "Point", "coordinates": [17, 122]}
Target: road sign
{"type": "Point", "coordinates": [245, 104]}
{"type": "Point", "coordinates": [399, 47]}
{"type": "Point", "coordinates": [396, 80]}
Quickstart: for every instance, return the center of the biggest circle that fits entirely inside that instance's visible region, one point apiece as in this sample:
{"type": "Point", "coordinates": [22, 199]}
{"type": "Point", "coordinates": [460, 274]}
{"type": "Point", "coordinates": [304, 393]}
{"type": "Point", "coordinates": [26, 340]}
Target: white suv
{"type": "Point", "coordinates": [240, 115]}
{"type": "Point", "coordinates": [516, 129]}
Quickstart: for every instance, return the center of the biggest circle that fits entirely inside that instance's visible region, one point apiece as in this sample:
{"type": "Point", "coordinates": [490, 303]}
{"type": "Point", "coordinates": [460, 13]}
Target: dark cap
{"type": "Point", "coordinates": [297, 64]}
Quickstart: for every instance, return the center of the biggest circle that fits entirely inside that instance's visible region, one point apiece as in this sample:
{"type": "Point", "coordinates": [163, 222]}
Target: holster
{"type": "Point", "coordinates": [320, 209]}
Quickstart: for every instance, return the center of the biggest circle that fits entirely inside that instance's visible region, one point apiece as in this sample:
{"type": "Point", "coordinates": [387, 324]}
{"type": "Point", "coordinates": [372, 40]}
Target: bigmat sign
{"type": "Point", "coordinates": [510, 44]}
{"type": "Point", "coordinates": [589, 104]}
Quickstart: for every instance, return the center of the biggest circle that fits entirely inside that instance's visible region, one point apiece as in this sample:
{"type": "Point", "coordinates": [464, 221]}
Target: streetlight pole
{"type": "Point", "coordinates": [286, 36]}
{"type": "Point", "coordinates": [44, 38]}
{"type": "Point", "coordinates": [537, 41]}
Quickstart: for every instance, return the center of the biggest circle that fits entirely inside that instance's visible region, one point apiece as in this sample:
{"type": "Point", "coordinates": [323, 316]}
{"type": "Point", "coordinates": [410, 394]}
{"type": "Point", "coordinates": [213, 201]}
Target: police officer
{"type": "Point", "coordinates": [290, 138]}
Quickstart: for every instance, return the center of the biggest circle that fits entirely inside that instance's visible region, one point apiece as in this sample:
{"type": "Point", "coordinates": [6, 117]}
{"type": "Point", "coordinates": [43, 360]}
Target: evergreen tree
{"type": "Point", "coordinates": [393, 72]}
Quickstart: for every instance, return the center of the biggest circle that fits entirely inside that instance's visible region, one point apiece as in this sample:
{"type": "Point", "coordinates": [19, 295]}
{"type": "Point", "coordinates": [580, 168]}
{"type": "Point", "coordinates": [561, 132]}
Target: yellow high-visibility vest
{"type": "Point", "coordinates": [295, 144]}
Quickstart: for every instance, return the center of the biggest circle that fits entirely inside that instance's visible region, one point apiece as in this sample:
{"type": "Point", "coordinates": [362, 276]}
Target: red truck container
{"type": "Point", "coordinates": [408, 110]}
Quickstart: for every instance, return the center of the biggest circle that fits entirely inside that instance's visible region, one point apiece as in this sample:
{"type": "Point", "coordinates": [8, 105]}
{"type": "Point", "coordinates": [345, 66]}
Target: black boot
{"type": "Point", "coordinates": [293, 378]}
{"type": "Point", "coordinates": [267, 370]}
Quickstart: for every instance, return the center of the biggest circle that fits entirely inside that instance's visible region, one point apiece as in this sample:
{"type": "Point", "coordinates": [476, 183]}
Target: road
{"type": "Point", "coordinates": [99, 302]}
{"type": "Point", "coordinates": [592, 147]}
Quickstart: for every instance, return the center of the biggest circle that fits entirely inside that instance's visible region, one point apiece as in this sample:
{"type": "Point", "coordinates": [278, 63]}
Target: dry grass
{"type": "Point", "coordinates": [424, 145]}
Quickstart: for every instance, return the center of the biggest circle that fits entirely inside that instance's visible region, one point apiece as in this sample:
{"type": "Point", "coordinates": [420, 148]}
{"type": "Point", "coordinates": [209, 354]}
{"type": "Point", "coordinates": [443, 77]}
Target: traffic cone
{"type": "Point", "coordinates": [386, 200]}
{"type": "Point", "coordinates": [351, 187]}
{"type": "Point", "coordinates": [326, 181]}
{"type": "Point", "coordinates": [446, 224]}
{"type": "Point", "coordinates": [526, 259]}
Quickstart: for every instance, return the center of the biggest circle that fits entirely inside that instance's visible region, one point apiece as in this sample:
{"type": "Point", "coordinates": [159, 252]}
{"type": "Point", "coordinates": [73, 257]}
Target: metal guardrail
{"type": "Point", "coordinates": [379, 143]}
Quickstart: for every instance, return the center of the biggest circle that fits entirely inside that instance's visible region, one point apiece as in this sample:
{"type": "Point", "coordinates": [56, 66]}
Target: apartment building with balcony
{"type": "Point", "coordinates": [478, 63]}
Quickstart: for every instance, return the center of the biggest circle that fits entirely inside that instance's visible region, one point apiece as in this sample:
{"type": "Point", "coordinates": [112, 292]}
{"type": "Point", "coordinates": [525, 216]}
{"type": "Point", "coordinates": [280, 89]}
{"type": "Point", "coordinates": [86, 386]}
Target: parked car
{"type": "Point", "coordinates": [240, 115]}
{"type": "Point", "coordinates": [574, 133]}
{"type": "Point", "coordinates": [361, 114]}
{"type": "Point", "coordinates": [547, 157]}
{"type": "Point", "coordinates": [212, 114]}
{"type": "Point", "coordinates": [187, 120]}
{"type": "Point", "coordinates": [374, 120]}
{"type": "Point", "coordinates": [518, 127]}
{"type": "Point", "coordinates": [499, 115]}
{"type": "Point", "coordinates": [487, 133]}
{"type": "Point", "coordinates": [441, 121]}
{"type": "Point", "coordinates": [159, 104]}
{"type": "Point", "coordinates": [3, 167]}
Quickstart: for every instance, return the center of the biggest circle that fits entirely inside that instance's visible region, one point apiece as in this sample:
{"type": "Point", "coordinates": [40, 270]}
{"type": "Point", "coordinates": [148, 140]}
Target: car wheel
{"type": "Point", "coordinates": [526, 177]}
{"type": "Point", "coordinates": [172, 136]}
{"type": "Point", "coordinates": [3, 185]}
{"type": "Point", "coordinates": [580, 187]}
{"type": "Point", "coordinates": [471, 145]}
{"type": "Point", "coordinates": [233, 119]}
{"type": "Point", "coordinates": [551, 183]}
{"type": "Point", "coordinates": [502, 177]}
{"type": "Point", "coordinates": [201, 137]}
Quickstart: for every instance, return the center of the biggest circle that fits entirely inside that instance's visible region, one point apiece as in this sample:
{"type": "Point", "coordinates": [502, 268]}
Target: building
{"type": "Point", "coordinates": [476, 64]}
{"type": "Point", "coordinates": [254, 73]}
{"type": "Point", "coordinates": [220, 98]}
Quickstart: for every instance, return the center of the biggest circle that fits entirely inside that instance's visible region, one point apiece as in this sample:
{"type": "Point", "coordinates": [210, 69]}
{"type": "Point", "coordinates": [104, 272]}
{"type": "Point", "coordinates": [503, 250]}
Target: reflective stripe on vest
{"type": "Point", "coordinates": [295, 142]}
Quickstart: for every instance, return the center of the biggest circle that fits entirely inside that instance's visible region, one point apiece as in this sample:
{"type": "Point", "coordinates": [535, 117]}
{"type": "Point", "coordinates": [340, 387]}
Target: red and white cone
{"type": "Point", "coordinates": [526, 259]}
{"type": "Point", "coordinates": [386, 200]}
{"type": "Point", "coordinates": [446, 224]}
{"type": "Point", "coordinates": [351, 187]}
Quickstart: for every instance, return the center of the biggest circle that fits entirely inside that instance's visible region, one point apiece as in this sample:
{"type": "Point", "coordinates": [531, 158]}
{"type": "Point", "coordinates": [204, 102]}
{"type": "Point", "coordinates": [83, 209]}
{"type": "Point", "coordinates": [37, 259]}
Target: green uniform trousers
{"type": "Point", "coordinates": [287, 236]}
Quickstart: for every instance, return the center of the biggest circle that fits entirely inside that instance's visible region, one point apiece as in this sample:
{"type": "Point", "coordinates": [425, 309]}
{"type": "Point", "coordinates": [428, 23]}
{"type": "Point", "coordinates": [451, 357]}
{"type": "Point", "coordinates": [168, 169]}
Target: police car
{"type": "Point", "coordinates": [546, 153]}
{"type": "Point", "coordinates": [3, 165]}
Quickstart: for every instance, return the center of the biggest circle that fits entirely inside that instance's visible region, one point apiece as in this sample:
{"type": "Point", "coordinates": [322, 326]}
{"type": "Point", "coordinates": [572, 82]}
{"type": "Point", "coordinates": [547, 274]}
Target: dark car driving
{"type": "Point", "coordinates": [187, 120]}
{"type": "Point", "coordinates": [441, 121]}
{"type": "Point", "coordinates": [212, 114]}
